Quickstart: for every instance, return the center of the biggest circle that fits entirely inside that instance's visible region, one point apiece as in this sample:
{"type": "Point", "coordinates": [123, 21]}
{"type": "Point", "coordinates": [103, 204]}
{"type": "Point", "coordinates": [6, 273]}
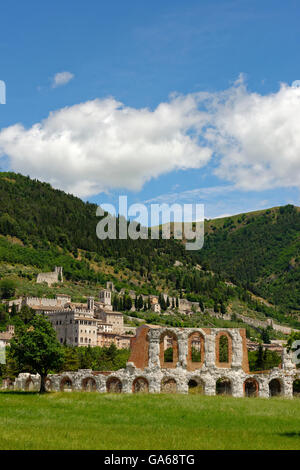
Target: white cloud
{"type": "Point", "coordinates": [102, 145]}
{"type": "Point", "coordinates": [62, 78]}
{"type": "Point", "coordinates": [257, 137]}
{"type": "Point", "coordinates": [192, 195]}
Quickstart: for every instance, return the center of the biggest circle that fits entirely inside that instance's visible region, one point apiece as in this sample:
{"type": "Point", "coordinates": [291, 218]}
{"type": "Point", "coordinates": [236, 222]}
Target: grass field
{"type": "Point", "coordinates": [148, 422]}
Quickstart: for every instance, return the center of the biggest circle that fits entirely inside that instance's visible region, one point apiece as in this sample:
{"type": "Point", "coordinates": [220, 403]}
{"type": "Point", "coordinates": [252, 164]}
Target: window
{"type": "Point", "coordinates": [223, 349]}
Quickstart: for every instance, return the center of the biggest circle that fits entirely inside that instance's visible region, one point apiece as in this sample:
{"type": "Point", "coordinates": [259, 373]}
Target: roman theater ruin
{"type": "Point", "coordinates": [180, 360]}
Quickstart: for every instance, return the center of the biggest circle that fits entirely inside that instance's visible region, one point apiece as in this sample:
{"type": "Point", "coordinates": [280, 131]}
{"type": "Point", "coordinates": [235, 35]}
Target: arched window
{"type": "Point", "coordinates": [89, 384]}
{"type": "Point", "coordinates": [168, 385]}
{"type": "Point", "coordinates": [223, 386]}
{"type": "Point", "coordinates": [140, 385]}
{"type": "Point", "coordinates": [274, 388]}
{"type": "Point", "coordinates": [114, 385]}
{"type": "Point", "coordinates": [66, 384]}
{"type": "Point", "coordinates": [251, 388]}
{"type": "Point", "coordinates": [48, 385]}
{"type": "Point", "coordinates": [29, 385]}
{"type": "Point", "coordinates": [168, 350]}
{"type": "Point", "coordinates": [296, 388]}
{"type": "Point", "coordinates": [223, 349]}
{"type": "Point", "coordinates": [196, 386]}
{"type": "Point", "coordinates": [196, 351]}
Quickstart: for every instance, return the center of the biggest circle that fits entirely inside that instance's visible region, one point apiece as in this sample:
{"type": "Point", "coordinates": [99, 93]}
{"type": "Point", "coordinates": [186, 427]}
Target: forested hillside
{"type": "Point", "coordinates": [41, 227]}
{"type": "Point", "coordinates": [42, 217]}
{"type": "Point", "coordinates": [260, 251]}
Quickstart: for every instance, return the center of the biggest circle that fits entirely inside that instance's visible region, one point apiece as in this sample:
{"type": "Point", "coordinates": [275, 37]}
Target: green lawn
{"type": "Point", "coordinates": [172, 422]}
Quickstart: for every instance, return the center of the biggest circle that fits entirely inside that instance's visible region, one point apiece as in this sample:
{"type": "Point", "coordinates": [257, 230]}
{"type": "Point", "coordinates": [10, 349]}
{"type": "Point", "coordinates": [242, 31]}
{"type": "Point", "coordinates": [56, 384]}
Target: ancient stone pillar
{"type": "Point", "coordinates": [210, 355]}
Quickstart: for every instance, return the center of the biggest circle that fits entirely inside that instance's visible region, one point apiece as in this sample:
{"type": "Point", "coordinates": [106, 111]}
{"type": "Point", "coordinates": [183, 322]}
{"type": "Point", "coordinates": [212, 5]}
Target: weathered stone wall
{"type": "Point", "coordinates": [145, 370]}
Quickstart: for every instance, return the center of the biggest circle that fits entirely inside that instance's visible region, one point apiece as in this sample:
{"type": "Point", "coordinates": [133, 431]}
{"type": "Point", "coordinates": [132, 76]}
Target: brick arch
{"type": "Point", "coordinates": [29, 385]}
{"type": "Point", "coordinates": [190, 364]}
{"type": "Point", "coordinates": [196, 385]}
{"type": "Point", "coordinates": [113, 385]}
{"type": "Point", "coordinates": [251, 387]}
{"type": "Point", "coordinates": [275, 387]}
{"type": "Point", "coordinates": [168, 385]}
{"type": "Point", "coordinates": [172, 364]}
{"type": "Point", "coordinates": [66, 384]}
{"type": "Point", "coordinates": [296, 387]}
{"type": "Point", "coordinates": [224, 386]}
{"type": "Point", "coordinates": [140, 385]}
{"type": "Point", "coordinates": [48, 384]}
{"type": "Point", "coordinates": [217, 349]}
{"type": "Point", "coordinates": [88, 384]}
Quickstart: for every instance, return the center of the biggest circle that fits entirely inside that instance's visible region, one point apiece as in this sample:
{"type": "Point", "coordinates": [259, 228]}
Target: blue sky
{"type": "Point", "coordinates": [139, 54]}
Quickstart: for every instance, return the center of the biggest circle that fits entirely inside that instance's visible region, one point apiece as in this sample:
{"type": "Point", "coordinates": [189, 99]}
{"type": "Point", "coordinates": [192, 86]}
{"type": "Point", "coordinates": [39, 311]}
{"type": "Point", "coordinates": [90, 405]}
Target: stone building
{"type": "Point", "coordinates": [61, 300]}
{"type": "Point", "coordinates": [51, 278]}
{"type": "Point", "coordinates": [6, 336]}
{"type": "Point", "coordinates": [155, 308]}
{"type": "Point", "coordinates": [105, 297]}
{"type": "Point", "coordinates": [121, 341]}
{"type": "Point", "coordinates": [75, 327]}
{"type": "Point", "coordinates": [111, 318]}
{"type": "Point", "coordinates": [220, 367]}
{"type": "Point", "coordinates": [78, 324]}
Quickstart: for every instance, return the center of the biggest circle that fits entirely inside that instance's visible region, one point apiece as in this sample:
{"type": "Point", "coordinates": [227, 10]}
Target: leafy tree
{"type": "Point", "coordinates": [26, 314]}
{"type": "Point", "coordinates": [35, 346]}
{"type": "Point", "coordinates": [265, 336]}
{"type": "Point", "coordinates": [140, 303]}
{"type": "Point", "coordinates": [7, 288]}
{"type": "Point", "coordinates": [263, 359]}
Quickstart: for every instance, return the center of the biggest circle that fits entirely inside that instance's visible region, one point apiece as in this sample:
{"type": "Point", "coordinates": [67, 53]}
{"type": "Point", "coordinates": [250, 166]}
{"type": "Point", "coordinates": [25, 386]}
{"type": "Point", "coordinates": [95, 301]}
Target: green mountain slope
{"type": "Point", "coordinates": [45, 218]}
{"type": "Point", "coordinates": [41, 227]}
{"type": "Point", "coordinates": [260, 251]}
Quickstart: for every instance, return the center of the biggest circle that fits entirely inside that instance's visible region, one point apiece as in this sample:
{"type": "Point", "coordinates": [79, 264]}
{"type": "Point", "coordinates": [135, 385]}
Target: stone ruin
{"type": "Point", "coordinates": [51, 278]}
{"type": "Point", "coordinates": [178, 360]}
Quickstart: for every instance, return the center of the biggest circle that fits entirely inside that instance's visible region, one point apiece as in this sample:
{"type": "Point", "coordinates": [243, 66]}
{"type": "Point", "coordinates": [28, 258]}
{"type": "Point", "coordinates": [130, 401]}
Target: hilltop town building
{"type": "Point", "coordinates": [51, 278]}
{"type": "Point", "coordinates": [6, 336]}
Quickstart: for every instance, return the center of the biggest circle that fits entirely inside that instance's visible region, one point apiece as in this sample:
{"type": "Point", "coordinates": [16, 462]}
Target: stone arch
{"type": "Point", "coordinates": [113, 385]}
{"type": "Point", "coordinates": [140, 385]}
{"type": "Point", "coordinates": [88, 384]}
{"type": "Point", "coordinates": [221, 351]}
{"type": "Point", "coordinates": [275, 388]}
{"type": "Point", "coordinates": [196, 386]}
{"type": "Point", "coordinates": [196, 350]}
{"type": "Point", "coordinates": [48, 384]}
{"type": "Point", "coordinates": [251, 387]}
{"type": "Point", "coordinates": [296, 388]}
{"type": "Point", "coordinates": [168, 344]}
{"type": "Point", "coordinates": [223, 386]}
{"type": "Point", "coordinates": [168, 385]}
{"type": "Point", "coordinates": [66, 384]}
{"type": "Point", "coordinates": [29, 385]}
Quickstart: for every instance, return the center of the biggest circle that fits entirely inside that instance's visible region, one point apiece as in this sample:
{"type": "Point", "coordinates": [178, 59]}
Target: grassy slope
{"type": "Point", "coordinates": [177, 422]}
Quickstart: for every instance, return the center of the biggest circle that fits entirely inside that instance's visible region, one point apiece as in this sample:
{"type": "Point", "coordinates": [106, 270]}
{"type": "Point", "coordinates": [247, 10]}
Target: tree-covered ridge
{"type": "Point", "coordinates": [260, 251]}
{"type": "Point", "coordinates": [37, 215]}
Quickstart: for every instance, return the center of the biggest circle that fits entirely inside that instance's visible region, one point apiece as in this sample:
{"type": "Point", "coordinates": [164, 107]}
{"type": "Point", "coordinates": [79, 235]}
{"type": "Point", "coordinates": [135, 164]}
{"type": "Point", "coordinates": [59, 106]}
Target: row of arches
{"type": "Point", "coordinates": [196, 349]}
{"type": "Point", "coordinates": [169, 385]}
